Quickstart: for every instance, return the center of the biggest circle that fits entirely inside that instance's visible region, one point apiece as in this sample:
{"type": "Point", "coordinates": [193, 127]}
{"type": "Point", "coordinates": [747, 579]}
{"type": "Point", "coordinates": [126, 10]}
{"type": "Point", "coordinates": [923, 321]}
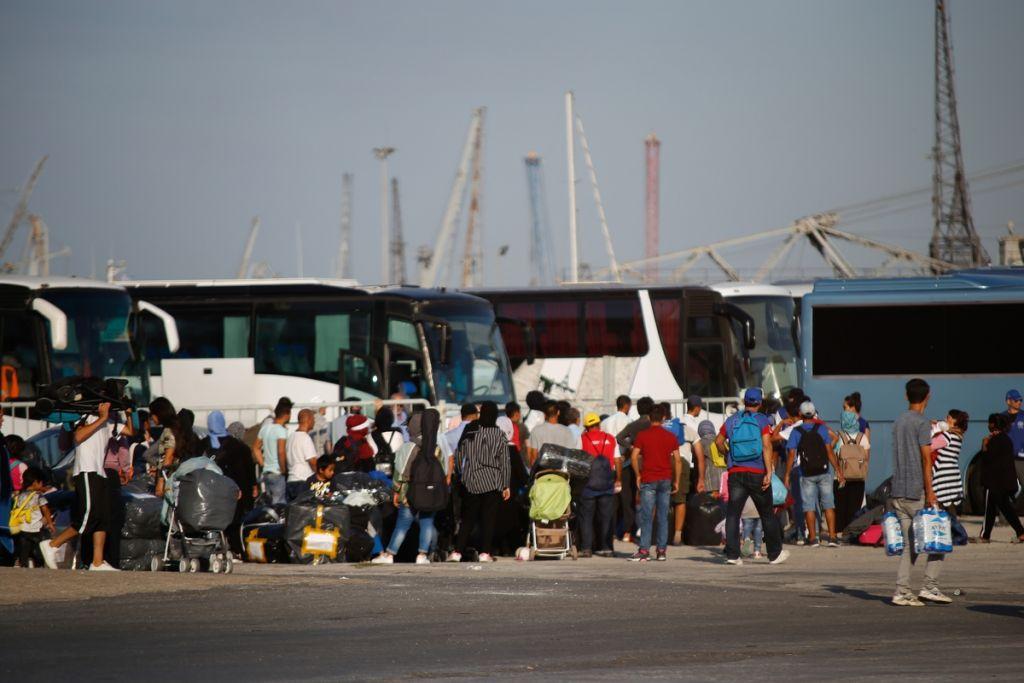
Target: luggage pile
{"type": "Point", "coordinates": [142, 537]}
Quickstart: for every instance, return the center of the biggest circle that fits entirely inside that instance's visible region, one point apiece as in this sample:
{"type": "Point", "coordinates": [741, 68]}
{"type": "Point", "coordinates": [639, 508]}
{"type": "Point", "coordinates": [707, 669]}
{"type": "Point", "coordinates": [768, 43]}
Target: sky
{"type": "Point", "coordinates": [169, 125]}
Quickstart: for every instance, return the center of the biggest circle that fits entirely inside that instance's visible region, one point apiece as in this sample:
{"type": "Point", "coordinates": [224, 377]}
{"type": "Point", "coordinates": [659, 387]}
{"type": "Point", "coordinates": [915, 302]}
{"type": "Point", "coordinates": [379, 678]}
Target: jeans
{"type": "Point", "coordinates": [654, 498]}
{"type": "Point", "coordinates": [797, 511]}
{"type": "Point", "coordinates": [275, 485]}
{"type": "Point", "coordinates": [604, 506]}
{"type": "Point", "coordinates": [816, 492]}
{"type": "Point", "coordinates": [752, 528]}
{"type": "Point", "coordinates": [743, 485]}
{"type": "Point", "coordinates": [905, 510]}
{"type": "Point", "coordinates": [406, 516]}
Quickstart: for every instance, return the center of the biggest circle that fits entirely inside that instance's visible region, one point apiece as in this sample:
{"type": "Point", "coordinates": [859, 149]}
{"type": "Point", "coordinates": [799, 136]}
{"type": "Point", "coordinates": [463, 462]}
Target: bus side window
{"type": "Point", "coordinates": [18, 355]}
{"type": "Point", "coordinates": [705, 369]}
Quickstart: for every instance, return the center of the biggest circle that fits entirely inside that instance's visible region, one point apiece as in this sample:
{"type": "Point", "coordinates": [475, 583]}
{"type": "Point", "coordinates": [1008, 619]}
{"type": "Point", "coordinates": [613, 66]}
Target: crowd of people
{"type": "Point", "coordinates": [777, 472]}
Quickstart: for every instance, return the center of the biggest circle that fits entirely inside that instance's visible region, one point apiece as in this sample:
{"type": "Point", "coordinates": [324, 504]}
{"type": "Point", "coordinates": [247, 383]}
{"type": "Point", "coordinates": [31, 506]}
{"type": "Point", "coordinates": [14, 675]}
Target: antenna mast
{"type": "Point", "coordinates": [343, 268]}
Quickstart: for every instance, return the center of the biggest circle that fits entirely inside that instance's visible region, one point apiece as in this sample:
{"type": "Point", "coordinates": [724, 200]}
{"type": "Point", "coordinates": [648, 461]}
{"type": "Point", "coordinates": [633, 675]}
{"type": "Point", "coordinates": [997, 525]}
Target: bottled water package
{"type": "Point", "coordinates": [893, 534]}
{"type": "Point", "coordinates": [933, 532]}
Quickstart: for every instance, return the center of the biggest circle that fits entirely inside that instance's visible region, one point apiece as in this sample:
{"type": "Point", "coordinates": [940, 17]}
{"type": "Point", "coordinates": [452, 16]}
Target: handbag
{"type": "Point", "coordinates": [779, 491]}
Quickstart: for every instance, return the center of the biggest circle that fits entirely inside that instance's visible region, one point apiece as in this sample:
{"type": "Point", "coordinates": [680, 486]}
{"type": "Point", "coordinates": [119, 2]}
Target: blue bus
{"type": "Point", "coordinates": [960, 332]}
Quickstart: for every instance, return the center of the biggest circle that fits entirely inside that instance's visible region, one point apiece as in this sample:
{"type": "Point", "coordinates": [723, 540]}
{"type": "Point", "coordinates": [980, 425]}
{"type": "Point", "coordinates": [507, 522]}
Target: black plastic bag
{"type": "Point", "coordinates": [206, 500]}
{"type": "Point", "coordinates": [266, 514]}
{"type": "Point", "coordinates": [703, 513]}
{"type": "Point", "coordinates": [265, 543]}
{"type": "Point", "coordinates": [357, 489]}
{"type": "Point", "coordinates": [141, 517]}
{"type": "Point", "coordinates": [136, 554]}
{"type": "Point", "coordinates": [301, 516]}
{"type": "Point", "coordinates": [881, 494]}
{"type": "Point", "coordinates": [359, 546]}
{"type": "Point", "coordinates": [576, 462]}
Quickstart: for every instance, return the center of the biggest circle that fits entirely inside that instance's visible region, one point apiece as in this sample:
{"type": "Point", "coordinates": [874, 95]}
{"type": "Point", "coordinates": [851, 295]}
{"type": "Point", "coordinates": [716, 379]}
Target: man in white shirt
{"type": "Point", "coordinates": [617, 421]}
{"type": "Point", "coordinates": [91, 513]}
{"type": "Point", "coordinates": [301, 455]}
{"type": "Point", "coordinates": [535, 401]}
{"type": "Point", "coordinates": [469, 413]}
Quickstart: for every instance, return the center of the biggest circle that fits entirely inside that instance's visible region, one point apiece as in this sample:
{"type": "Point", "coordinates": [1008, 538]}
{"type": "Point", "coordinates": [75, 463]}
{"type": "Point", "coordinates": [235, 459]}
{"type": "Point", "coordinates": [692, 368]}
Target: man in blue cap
{"type": "Point", "coordinates": [747, 437]}
{"type": "Point", "coordinates": [1016, 433]}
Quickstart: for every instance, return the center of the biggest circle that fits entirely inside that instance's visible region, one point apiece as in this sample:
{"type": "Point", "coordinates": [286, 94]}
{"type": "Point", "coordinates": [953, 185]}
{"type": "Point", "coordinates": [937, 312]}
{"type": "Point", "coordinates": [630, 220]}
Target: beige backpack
{"type": "Point", "coordinates": [853, 458]}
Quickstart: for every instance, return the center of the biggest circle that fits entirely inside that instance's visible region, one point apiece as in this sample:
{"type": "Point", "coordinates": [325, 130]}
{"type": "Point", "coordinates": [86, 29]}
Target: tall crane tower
{"type": "Point", "coordinates": [343, 268]}
{"type": "Point", "coordinates": [954, 238]}
{"type": "Point", "coordinates": [652, 148]}
{"type": "Point", "coordinates": [398, 275]}
{"type": "Point", "coordinates": [542, 268]}
{"type": "Point", "coordinates": [21, 209]}
{"type": "Point", "coordinates": [473, 257]}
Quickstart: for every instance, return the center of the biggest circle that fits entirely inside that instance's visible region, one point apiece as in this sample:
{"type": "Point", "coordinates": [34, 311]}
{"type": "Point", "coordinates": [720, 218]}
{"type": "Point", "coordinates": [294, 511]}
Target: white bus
{"type": "Point", "coordinates": [594, 342]}
{"type": "Point", "coordinates": [248, 342]}
{"type": "Point", "coordinates": [52, 328]}
{"type": "Point", "coordinates": [774, 359]}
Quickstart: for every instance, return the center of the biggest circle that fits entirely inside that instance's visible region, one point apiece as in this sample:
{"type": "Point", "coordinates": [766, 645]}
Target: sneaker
{"type": "Point", "coordinates": [738, 561]}
{"type": "Point", "coordinates": [422, 559]}
{"type": "Point", "coordinates": [585, 554]}
{"type": "Point", "coordinates": [105, 567]}
{"type": "Point", "coordinates": [383, 558]}
{"type": "Point", "coordinates": [813, 543]}
{"type": "Point", "coordinates": [783, 556]}
{"type": "Point", "coordinates": [758, 555]}
{"type": "Point", "coordinates": [661, 555]}
{"type": "Point", "coordinates": [49, 554]}
{"type": "Point", "coordinates": [455, 556]}
{"type": "Point", "coordinates": [604, 553]}
{"type": "Point", "coordinates": [800, 541]}
{"type": "Point", "coordinates": [906, 600]}
{"type": "Point", "coordinates": [832, 543]}
{"type": "Point", "coordinates": [640, 556]}
{"type": "Point", "coordinates": [934, 595]}
{"type": "Point", "coordinates": [485, 557]}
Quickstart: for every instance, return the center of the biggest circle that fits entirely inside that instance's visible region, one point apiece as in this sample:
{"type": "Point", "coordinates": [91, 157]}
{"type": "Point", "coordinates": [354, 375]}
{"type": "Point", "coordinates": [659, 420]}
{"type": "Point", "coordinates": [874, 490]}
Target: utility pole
{"type": "Point", "coordinates": [653, 153]}
{"type": "Point", "coordinates": [954, 238]}
{"type": "Point", "coordinates": [574, 256]}
{"type": "Point", "coordinates": [398, 275]}
{"type": "Point", "coordinates": [343, 268]}
{"type": "Point", "coordinates": [382, 153]}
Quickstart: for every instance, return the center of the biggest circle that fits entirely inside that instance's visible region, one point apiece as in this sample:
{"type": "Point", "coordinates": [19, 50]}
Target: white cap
{"type": "Point", "coordinates": [807, 409]}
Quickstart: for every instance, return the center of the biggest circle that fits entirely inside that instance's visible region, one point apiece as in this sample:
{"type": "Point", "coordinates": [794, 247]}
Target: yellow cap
{"type": "Point", "coordinates": [591, 419]}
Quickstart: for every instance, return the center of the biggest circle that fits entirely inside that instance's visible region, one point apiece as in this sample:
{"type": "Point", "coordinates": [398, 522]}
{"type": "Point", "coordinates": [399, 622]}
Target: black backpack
{"type": "Point", "coordinates": [812, 451]}
{"type": "Point", "coordinates": [428, 490]}
{"type": "Point", "coordinates": [602, 476]}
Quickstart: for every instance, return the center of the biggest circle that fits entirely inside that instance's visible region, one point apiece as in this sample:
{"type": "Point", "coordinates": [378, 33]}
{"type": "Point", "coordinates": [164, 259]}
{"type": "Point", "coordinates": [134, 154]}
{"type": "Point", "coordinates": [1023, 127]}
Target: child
{"type": "Point", "coordinates": [30, 506]}
{"type": "Point", "coordinates": [320, 483]}
{"type": "Point", "coordinates": [752, 531]}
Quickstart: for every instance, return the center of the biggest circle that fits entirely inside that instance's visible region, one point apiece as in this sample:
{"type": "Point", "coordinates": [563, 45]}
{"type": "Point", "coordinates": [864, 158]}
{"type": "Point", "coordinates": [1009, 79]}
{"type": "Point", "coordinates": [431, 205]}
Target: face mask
{"type": "Point", "coordinates": [848, 421]}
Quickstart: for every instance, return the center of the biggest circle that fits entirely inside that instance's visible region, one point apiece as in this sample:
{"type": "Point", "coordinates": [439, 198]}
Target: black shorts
{"type": "Point", "coordinates": [92, 505]}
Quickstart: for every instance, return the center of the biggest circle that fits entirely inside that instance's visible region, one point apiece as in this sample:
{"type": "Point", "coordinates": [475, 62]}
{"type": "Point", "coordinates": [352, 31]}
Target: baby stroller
{"type": "Point", "coordinates": [202, 506]}
{"type": "Point", "coordinates": [550, 512]}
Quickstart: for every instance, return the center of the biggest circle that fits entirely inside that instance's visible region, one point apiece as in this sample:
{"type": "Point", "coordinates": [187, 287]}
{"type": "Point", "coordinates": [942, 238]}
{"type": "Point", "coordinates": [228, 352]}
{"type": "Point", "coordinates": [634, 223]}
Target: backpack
{"type": "Point", "coordinates": [812, 451]}
{"type": "Point", "coordinates": [853, 459]}
{"type": "Point", "coordinates": [21, 513]}
{"type": "Point", "coordinates": [745, 438]}
{"type": "Point", "coordinates": [428, 489]}
{"type": "Point", "coordinates": [602, 476]}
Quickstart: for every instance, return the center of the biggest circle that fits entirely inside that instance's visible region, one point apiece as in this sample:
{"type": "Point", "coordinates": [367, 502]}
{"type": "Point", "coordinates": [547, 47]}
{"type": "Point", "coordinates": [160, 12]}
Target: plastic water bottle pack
{"type": "Point", "coordinates": [933, 532]}
{"type": "Point", "coordinates": [893, 534]}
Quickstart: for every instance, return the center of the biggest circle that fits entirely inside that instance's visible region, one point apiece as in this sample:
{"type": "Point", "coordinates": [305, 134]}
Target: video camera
{"type": "Point", "coordinates": [75, 397]}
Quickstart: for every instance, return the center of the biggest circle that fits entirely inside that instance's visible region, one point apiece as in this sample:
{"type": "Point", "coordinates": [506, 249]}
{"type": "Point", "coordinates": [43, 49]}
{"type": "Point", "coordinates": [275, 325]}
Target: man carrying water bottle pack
{"type": "Point", "coordinates": [747, 436]}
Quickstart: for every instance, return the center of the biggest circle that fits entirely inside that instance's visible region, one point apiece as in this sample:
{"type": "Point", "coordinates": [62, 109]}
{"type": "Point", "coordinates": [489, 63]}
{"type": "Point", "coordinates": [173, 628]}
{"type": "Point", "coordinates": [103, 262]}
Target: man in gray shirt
{"type": "Point", "coordinates": [550, 431]}
{"type": "Point", "coordinates": [912, 491]}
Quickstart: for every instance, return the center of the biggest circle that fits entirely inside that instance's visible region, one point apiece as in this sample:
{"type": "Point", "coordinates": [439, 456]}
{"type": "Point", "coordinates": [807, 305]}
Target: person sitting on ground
{"type": "Point", "coordinates": [301, 454]}
{"type": "Point", "coordinates": [814, 443]}
{"type": "Point", "coordinates": [551, 431]}
{"type": "Point", "coordinates": [29, 508]}
{"type": "Point", "coordinates": [423, 427]}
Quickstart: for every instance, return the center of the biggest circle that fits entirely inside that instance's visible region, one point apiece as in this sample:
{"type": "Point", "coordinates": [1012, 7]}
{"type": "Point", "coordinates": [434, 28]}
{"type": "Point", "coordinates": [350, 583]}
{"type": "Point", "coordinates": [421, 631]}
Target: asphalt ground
{"type": "Point", "coordinates": [822, 615]}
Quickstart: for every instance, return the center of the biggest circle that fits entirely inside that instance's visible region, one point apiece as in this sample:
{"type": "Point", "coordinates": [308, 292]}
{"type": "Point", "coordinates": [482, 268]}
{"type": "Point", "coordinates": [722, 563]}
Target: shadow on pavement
{"type": "Point", "coordinates": [858, 593]}
{"type": "Point", "coordinates": [1000, 610]}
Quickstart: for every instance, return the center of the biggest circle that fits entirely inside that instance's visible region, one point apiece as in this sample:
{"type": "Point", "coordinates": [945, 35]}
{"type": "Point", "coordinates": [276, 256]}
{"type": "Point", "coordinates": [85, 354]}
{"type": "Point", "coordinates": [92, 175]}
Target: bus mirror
{"type": "Point", "coordinates": [529, 336]}
{"type": "Point", "coordinates": [170, 326]}
{"type": "Point", "coordinates": [58, 322]}
{"type": "Point", "coordinates": [743, 319]}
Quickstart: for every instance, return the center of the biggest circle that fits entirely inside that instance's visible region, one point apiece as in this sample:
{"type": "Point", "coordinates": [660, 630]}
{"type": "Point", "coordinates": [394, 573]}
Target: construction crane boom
{"type": "Point", "coordinates": [343, 268]}
{"type": "Point", "coordinates": [473, 257]}
{"type": "Point", "coordinates": [243, 269]}
{"type": "Point", "coordinates": [22, 207]}
{"type": "Point", "coordinates": [613, 265]}
{"type": "Point", "coordinates": [398, 274]}
{"type": "Point", "coordinates": [542, 269]}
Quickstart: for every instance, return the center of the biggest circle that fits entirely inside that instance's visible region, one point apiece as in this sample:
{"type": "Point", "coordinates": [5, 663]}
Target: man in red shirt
{"type": "Point", "coordinates": [599, 493]}
{"type": "Point", "coordinates": [656, 460]}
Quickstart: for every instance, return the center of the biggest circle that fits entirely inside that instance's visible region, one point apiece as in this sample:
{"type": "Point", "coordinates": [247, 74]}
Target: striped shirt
{"type": "Point", "coordinates": [483, 461]}
{"type": "Point", "coordinates": [946, 481]}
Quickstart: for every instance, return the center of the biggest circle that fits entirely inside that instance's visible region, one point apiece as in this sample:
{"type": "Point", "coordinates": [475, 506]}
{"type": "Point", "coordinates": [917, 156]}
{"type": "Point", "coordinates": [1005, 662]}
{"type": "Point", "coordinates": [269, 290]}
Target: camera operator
{"type": "Point", "coordinates": [92, 507]}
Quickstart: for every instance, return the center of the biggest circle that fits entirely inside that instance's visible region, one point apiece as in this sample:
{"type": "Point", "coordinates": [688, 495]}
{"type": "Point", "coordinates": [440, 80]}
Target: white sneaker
{"type": "Point", "coordinates": [934, 595]}
{"type": "Point", "coordinates": [49, 554]}
{"type": "Point", "coordinates": [783, 556]}
{"type": "Point", "coordinates": [422, 559]}
{"type": "Point", "coordinates": [383, 558]}
{"type": "Point", "coordinates": [906, 600]}
{"type": "Point", "coordinates": [105, 567]}
{"type": "Point", "coordinates": [455, 556]}
{"type": "Point", "coordinates": [485, 557]}
{"type": "Point", "coordinates": [738, 561]}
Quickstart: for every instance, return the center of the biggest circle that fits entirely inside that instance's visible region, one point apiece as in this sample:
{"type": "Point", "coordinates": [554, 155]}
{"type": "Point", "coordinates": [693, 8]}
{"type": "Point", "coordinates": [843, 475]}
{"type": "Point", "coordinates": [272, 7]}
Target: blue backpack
{"type": "Point", "coordinates": [745, 438]}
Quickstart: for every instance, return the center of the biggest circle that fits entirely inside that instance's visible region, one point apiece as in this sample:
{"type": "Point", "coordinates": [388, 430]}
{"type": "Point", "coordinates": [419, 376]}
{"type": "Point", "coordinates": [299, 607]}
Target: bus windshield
{"type": "Point", "coordinates": [773, 361]}
{"type": "Point", "coordinates": [98, 341]}
{"type": "Point", "coordinates": [479, 369]}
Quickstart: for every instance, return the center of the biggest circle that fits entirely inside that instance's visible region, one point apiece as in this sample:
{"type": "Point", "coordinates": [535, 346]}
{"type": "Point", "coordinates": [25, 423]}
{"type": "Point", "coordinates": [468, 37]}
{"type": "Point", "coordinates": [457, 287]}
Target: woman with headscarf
{"type": "Point", "coordinates": [423, 430]}
{"type": "Point", "coordinates": [483, 464]}
{"type": "Point", "coordinates": [849, 495]}
{"type": "Point", "coordinates": [226, 446]}
{"type": "Point", "coordinates": [387, 438]}
{"type": "Point", "coordinates": [711, 465]}
{"type": "Point", "coordinates": [354, 452]}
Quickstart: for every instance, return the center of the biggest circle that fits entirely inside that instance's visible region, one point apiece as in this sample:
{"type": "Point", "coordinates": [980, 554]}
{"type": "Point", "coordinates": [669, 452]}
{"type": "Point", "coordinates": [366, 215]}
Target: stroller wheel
{"type": "Point", "coordinates": [183, 565]}
{"type": "Point", "coordinates": [156, 563]}
{"type": "Point", "coordinates": [193, 565]}
{"type": "Point", "coordinates": [228, 565]}
{"type": "Point", "coordinates": [216, 564]}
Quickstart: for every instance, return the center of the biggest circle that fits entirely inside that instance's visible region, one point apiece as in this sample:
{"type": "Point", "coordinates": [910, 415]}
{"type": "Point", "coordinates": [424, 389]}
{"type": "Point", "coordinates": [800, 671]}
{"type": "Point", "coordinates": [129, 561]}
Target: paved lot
{"type": "Point", "coordinates": [823, 615]}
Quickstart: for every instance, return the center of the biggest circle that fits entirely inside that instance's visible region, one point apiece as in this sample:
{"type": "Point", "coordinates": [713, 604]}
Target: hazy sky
{"type": "Point", "coordinates": [170, 124]}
